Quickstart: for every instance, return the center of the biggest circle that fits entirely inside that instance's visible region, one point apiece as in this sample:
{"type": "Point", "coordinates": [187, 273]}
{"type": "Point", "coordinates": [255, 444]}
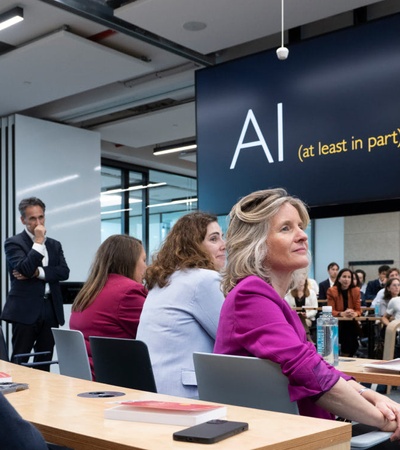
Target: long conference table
{"type": "Point", "coordinates": [52, 404]}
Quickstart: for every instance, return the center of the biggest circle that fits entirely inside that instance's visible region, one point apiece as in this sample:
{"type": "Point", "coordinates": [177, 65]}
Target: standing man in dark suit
{"type": "Point", "coordinates": [36, 266]}
{"type": "Point", "coordinates": [333, 269]}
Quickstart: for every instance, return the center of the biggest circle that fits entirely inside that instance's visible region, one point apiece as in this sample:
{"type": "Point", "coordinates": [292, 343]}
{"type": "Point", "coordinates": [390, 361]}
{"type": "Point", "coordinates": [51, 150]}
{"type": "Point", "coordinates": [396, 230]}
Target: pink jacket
{"type": "Point", "coordinates": [115, 312]}
{"type": "Point", "coordinates": [256, 321]}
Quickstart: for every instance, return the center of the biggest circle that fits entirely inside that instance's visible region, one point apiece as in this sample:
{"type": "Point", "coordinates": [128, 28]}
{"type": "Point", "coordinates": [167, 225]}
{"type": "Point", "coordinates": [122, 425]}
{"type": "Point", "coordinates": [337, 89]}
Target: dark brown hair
{"type": "Point", "coordinates": [387, 295]}
{"type": "Point", "coordinates": [337, 282]}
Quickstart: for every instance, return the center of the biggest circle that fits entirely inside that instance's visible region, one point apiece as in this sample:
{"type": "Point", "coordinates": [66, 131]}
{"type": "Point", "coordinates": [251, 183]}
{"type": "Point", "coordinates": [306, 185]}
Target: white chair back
{"type": "Point", "coordinates": [72, 356]}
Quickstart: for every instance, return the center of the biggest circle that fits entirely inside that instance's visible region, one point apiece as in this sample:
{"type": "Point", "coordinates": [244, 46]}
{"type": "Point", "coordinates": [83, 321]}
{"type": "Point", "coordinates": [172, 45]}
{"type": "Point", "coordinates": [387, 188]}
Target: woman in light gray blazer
{"type": "Point", "coordinates": [180, 315]}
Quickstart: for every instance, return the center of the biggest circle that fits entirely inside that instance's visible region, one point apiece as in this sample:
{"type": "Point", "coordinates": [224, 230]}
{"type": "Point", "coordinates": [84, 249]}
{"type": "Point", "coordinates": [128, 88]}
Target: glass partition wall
{"type": "Point", "coordinates": [143, 203]}
{"type": "Point", "coordinates": [146, 203]}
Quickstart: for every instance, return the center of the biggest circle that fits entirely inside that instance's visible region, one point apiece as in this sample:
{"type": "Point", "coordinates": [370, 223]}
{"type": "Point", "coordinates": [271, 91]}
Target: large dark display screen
{"type": "Point", "coordinates": [324, 124]}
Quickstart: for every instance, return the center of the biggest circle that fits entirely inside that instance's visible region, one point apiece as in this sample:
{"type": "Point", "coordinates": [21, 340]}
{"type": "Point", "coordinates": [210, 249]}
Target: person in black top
{"type": "Point", "coordinates": [333, 269]}
{"type": "Point", "coordinates": [15, 432]}
{"type": "Point", "coordinates": [374, 286]}
{"type": "Point", "coordinates": [36, 265]}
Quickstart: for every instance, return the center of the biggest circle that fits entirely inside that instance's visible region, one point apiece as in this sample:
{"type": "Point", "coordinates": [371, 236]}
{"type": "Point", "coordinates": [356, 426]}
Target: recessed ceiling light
{"type": "Point", "coordinates": [11, 17]}
{"type": "Point", "coordinates": [194, 26]}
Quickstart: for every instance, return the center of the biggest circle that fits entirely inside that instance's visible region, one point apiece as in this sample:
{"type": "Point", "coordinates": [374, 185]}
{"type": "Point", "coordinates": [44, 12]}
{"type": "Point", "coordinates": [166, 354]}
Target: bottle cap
{"type": "Point", "coordinates": [327, 309]}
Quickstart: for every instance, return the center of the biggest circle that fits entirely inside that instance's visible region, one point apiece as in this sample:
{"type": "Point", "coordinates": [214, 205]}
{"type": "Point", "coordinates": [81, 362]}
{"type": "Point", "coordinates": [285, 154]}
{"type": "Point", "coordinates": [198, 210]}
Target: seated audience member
{"type": "Point", "coordinates": [380, 296]}
{"type": "Point", "coordinates": [312, 284]}
{"type": "Point", "coordinates": [333, 270]}
{"type": "Point", "coordinates": [110, 302]}
{"type": "Point", "coordinates": [265, 244]}
{"type": "Point", "coordinates": [392, 299]}
{"type": "Point", "coordinates": [362, 276]}
{"type": "Point", "coordinates": [15, 432]}
{"type": "Point", "coordinates": [302, 296]}
{"type": "Point", "coordinates": [182, 309]}
{"type": "Point", "coordinates": [391, 292]}
{"type": "Point", "coordinates": [393, 307]}
{"type": "Point", "coordinates": [357, 283]}
{"type": "Point", "coordinates": [374, 286]}
{"type": "Point", "coordinates": [344, 298]}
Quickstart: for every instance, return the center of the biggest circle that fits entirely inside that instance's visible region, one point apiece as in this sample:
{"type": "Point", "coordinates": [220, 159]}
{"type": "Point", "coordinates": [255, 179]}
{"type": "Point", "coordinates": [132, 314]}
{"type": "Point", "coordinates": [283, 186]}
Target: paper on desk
{"type": "Point", "coordinates": [392, 365]}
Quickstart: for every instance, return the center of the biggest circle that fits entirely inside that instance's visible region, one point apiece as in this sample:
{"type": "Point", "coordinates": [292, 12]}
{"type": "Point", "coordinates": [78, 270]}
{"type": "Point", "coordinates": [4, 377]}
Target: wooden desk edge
{"type": "Point", "coordinates": [333, 439]}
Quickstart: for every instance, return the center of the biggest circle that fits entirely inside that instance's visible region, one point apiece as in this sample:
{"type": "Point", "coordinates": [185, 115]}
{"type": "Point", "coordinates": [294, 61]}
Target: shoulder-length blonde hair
{"type": "Point", "coordinates": [181, 249]}
{"type": "Point", "coordinates": [247, 233]}
{"type": "Point", "coordinates": [118, 254]}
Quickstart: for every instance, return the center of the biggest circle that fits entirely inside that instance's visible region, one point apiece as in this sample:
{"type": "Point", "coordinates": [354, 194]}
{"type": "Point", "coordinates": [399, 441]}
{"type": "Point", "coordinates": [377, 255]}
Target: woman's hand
{"type": "Point", "coordinates": [391, 412]}
{"type": "Point", "coordinates": [350, 313]}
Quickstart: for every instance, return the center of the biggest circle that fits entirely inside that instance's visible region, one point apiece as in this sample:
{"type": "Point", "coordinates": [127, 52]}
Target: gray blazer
{"type": "Point", "coordinates": [176, 321]}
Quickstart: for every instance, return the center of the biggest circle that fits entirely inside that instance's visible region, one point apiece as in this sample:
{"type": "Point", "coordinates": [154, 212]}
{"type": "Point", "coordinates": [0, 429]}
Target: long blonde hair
{"type": "Point", "coordinates": [117, 254]}
{"type": "Point", "coordinates": [247, 233]}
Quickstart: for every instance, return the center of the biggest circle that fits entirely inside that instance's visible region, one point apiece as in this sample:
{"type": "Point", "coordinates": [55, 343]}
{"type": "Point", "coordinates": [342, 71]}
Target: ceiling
{"type": "Point", "coordinates": [126, 69]}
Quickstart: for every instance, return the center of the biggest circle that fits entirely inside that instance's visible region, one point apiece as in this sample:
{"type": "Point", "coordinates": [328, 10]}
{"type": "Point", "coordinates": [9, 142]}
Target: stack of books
{"type": "Point", "coordinates": [172, 413]}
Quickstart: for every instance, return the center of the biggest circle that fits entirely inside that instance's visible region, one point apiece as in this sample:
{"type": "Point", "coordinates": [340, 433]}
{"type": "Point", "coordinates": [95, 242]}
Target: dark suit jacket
{"type": "Point", "coordinates": [25, 298]}
{"type": "Point", "coordinates": [15, 432]}
{"type": "Point", "coordinates": [323, 289]}
{"type": "Point", "coordinates": [373, 287]}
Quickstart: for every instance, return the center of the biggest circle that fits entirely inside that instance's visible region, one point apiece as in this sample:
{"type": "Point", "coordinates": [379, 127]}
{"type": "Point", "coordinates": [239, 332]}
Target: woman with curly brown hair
{"type": "Point", "coordinates": [181, 312]}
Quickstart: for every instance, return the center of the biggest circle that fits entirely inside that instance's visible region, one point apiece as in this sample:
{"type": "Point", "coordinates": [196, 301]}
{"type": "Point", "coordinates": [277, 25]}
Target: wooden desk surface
{"type": "Point", "coordinates": [52, 405]}
{"type": "Point", "coordinates": [354, 367]}
{"type": "Point", "coordinates": [360, 318]}
{"type": "Point", "coordinates": [319, 308]}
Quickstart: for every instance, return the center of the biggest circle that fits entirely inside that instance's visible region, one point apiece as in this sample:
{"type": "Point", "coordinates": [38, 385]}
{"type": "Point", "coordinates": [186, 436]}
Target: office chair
{"type": "Point", "coordinates": [73, 359]}
{"type": "Point", "coordinates": [242, 381]}
{"type": "Point", "coordinates": [4, 355]}
{"type": "Point", "coordinates": [259, 383]}
{"type": "Point", "coordinates": [389, 346]}
{"type": "Point", "coordinates": [122, 362]}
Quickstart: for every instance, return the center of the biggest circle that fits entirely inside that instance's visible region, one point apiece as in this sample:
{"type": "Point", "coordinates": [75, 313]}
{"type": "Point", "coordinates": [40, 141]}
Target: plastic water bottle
{"type": "Point", "coordinates": [377, 309]}
{"type": "Point", "coordinates": [328, 336]}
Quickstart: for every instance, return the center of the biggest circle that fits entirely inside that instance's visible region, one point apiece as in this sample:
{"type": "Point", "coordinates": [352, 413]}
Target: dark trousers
{"type": "Point", "coordinates": [36, 336]}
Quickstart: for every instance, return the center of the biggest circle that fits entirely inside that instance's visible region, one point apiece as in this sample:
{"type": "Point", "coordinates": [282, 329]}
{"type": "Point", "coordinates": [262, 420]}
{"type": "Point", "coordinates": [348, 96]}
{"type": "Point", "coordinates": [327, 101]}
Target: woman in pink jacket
{"type": "Point", "coordinates": [266, 243]}
{"type": "Point", "coordinates": [111, 300]}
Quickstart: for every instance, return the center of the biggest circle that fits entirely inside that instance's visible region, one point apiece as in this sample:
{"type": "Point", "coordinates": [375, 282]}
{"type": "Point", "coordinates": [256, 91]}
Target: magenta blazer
{"type": "Point", "coordinates": [115, 312]}
{"type": "Point", "coordinates": [256, 321]}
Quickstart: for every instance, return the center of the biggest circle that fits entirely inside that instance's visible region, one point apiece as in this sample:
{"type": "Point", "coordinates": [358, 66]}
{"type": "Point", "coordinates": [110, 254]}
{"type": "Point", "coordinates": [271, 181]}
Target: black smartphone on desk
{"type": "Point", "coordinates": [211, 431]}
